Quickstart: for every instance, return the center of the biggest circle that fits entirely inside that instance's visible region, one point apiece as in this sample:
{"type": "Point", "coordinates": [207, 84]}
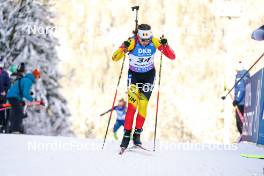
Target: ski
{"type": "Point", "coordinates": [122, 150]}
{"type": "Point", "coordinates": [131, 149]}
{"type": "Point", "coordinates": [252, 156]}
{"type": "Point", "coordinates": [139, 147]}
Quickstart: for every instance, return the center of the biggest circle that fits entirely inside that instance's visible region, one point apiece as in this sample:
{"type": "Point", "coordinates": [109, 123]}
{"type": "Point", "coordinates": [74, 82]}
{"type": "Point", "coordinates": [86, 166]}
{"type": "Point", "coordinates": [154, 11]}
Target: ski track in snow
{"type": "Point", "coordinates": [19, 157]}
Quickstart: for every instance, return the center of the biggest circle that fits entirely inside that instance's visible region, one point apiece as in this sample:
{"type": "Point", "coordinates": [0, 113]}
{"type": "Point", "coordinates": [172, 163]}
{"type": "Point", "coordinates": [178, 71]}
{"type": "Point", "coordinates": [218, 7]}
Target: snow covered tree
{"type": "Point", "coordinates": [28, 37]}
{"type": "Point", "coordinates": [5, 11]}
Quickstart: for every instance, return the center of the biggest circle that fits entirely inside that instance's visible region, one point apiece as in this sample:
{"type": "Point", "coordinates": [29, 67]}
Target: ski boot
{"type": "Point", "coordinates": [115, 136]}
{"type": "Point", "coordinates": [126, 139]}
{"type": "Point", "coordinates": [2, 129]}
{"type": "Point", "coordinates": [136, 137]}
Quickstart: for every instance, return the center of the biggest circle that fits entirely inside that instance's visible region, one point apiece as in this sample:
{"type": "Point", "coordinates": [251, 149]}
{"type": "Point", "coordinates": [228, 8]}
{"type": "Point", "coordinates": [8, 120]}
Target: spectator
{"type": "Point", "coordinates": [239, 99]}
{"type": "Point", "coordinates": [4, 85]}
{"type": "Point", "coordinates": [19, 90]}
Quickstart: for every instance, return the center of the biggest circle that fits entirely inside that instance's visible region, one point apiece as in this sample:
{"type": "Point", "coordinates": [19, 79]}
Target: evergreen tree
{"type": "Point", "coordinates": [28, 37]}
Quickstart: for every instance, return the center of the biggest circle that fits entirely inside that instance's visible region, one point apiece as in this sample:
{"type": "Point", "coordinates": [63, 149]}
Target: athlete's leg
{"type": "Point", "coordinates": [142, 111]}
{"type": "Point", "coordinates": [133, 98]}
{"type": "Point", "coordinates": [117, 125]}
{"type": "Point", "coordinates": [144, 97]}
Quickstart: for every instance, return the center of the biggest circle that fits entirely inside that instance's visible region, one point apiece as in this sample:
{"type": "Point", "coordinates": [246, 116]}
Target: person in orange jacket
{"type": "Point", "coordinates": [141, 75]}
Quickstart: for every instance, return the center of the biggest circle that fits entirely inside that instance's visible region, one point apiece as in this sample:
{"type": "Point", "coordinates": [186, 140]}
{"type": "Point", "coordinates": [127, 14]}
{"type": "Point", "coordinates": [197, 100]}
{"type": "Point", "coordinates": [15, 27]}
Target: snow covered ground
{"type": "Point", "coordinates": [25, 155]}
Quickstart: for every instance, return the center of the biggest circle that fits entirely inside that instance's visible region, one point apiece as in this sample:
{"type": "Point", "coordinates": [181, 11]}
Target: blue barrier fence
{"type": "Point", "coordinates": [253, 128]}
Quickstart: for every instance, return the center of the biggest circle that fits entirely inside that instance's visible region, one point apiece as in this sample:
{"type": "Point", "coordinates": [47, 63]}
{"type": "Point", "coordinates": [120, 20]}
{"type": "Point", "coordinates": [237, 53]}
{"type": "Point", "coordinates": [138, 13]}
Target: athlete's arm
{"type": "Point", "coordinates": [165, 49]}
{"type": "Point", "coordinates": [121, 51]}
{"type": "Point", "coordinates": [108, 111]}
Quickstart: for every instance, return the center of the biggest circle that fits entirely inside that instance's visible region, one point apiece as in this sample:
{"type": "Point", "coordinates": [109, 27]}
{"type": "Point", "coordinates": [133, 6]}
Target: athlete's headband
{"type": "Point", "coordinates": [145, 34]}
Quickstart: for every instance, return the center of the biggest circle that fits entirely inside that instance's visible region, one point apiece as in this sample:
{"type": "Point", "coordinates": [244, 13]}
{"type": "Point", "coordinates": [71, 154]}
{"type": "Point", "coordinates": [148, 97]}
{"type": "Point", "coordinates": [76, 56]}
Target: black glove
{"type": "Point", "coordinates": [126, 44]}
{"type": "Point", "coordinates": [163, 41]}
{"type": "Point", "coordinates": [235, 103]}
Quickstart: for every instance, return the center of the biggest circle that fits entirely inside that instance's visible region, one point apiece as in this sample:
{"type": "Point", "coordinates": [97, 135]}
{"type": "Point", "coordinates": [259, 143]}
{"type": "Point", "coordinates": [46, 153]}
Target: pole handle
{"type": "Point", "coordinates": [135, 8]}
{"type": "Point", "coordinates": [136, 20]}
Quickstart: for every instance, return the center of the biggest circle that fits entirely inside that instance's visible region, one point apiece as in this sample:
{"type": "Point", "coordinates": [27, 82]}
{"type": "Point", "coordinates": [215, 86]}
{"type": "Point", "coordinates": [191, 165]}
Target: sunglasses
{"type": "Point", "coordinates": [145, 40]}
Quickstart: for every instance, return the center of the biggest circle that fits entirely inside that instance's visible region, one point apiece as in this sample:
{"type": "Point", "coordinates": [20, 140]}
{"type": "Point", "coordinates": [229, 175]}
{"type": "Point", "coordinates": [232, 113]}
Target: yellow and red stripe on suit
{"type": "Point", "coordinates": [140, 87]}
{"type": "Point", "coordinates": [166, 50]}
{"type": "Point", "coordinates": [138, 96]}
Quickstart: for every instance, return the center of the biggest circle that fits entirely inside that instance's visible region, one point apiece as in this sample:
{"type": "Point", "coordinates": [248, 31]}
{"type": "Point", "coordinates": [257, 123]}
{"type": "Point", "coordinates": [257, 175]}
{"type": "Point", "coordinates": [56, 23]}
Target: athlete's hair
{"type": "Point", "coordinates": [144, 27]}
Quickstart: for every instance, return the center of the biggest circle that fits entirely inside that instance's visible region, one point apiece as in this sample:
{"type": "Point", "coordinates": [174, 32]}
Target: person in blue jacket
{"type": "Point", "coordinates": [120, 109]}
{"type": "Point", "coordinates": [18, 91]}
{"type": "Point", "coordinates": [240, 91]}
{"type": "Point", "coordinates": [4, 86]}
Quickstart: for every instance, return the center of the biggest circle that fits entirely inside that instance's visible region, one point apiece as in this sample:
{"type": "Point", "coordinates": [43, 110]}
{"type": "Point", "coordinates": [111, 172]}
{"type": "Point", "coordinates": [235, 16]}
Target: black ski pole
{"type": "Point", "coordinates": [136, 20]}
{"type": "Point", "coordinates": [157, 105]}
{"type": "Point", "coordinates": [224, 97]}
{"type": "Point", "coordinates": [120, 75]}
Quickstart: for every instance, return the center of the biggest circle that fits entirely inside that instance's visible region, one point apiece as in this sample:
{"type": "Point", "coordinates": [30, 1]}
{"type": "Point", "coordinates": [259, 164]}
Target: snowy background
{"type": "Point", "coordinates": [53, 156]}
{"type": "Point", "coordinates": [208, 36]}
{"type": "Point", "coordinates": [71, 42]}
